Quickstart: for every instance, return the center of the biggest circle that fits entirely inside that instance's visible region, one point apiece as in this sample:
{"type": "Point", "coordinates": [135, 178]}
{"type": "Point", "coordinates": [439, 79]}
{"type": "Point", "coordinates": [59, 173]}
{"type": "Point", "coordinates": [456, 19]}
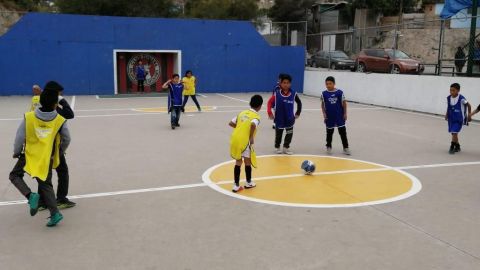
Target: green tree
{"type": "Point", "coordinates": [222, 9]}
{"type": "Point", "coordinates": [138, 8]}
{"type": "Point", "coordinates": [290, 11]}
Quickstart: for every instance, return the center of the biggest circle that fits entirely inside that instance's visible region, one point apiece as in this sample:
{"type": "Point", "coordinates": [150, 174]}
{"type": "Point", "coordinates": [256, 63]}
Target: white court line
{"type": "Point", "coordinates": [202, 95]}
{"type": "Point", "coordinates": [232, 98]}
{"type": "Point", "coordinates": [72, 105]}
{"type": "Point", "coordinates": [135, 191]}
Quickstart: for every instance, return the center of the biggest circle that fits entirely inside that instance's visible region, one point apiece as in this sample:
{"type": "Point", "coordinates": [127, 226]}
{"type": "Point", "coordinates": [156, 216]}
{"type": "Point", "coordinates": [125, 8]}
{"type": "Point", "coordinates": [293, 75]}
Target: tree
{"type": "Point", "coordinates": [290, 11]}
{"type": "Point", "coordinates": [138, 8]}
{"type": "Point", "coordinates": [222, 9]}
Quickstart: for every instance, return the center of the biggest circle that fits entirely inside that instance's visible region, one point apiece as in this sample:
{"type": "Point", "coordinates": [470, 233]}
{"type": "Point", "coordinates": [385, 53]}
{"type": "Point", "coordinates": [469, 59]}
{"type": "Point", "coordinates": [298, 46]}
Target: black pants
{"type": "Point", "coordinates": [45, 188]}
{"type": "Point", "coordinates": [194, 98]}
{"type": "Point", "coordinates": [63, 179]}
{"type": "Point", "coordinates": [279, 136]}
{"type": "Point", "coordinates": [140, 87]}
{"type": "Point", "coordinates": [343, 135]}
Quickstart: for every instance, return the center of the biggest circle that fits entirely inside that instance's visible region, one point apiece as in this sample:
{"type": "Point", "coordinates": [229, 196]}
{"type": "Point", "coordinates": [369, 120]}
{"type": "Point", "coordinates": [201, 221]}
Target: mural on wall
{"type": "Point", "coordinates": [158, 68]}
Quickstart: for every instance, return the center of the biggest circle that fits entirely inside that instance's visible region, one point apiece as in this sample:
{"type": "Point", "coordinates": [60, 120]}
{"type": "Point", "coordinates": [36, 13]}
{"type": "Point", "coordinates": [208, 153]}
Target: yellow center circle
{"type": "Point", "coordinates": [336, 182]}
{"type": "Point", "coordinates": [165, 109]}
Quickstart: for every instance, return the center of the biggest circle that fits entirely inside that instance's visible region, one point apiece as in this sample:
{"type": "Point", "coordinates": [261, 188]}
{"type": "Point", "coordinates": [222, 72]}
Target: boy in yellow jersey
{"type": "Point", "coordinates": [190, 83]}
{"type": "Point", "coordinates": [242, 140]}
{"type": "Point", "coordinates": [44, 135]}
{"type": "Point", "coordinates": [36, 97]}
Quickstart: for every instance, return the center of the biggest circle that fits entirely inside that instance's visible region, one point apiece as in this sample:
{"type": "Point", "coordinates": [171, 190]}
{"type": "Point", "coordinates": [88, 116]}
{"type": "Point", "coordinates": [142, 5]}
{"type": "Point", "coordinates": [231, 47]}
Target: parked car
{"type": "Point", "coordinates": [333, 60]}
{"type": "Point", "coordinates": [387, 60]}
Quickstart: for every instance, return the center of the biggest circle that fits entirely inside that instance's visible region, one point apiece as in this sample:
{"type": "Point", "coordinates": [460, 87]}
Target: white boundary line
{"type": "Point", "coordinates": [215, 186]}
{"type": "Point", "coordinates": [416, 187]}
{"type": "Point", "coordinates": [232, 98]}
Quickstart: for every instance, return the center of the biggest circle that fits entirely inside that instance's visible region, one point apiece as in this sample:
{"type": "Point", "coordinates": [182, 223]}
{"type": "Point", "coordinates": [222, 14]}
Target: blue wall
{"type": "Point", "coordinates": [77, 51]}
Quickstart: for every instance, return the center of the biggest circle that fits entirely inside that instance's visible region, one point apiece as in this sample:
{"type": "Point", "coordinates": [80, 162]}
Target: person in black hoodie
{"type": "Point", "coordinates": [66, 111]}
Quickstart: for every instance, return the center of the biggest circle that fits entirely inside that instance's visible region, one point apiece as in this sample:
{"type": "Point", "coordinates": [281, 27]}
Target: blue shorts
{"type": "Point", "coordinates": [333, 123]}
{"type": "Point", "coordinates": [454, 127]}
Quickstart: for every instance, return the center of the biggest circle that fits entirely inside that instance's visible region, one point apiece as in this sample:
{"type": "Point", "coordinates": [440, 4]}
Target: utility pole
{"type": "Point", "coordinates": [471, 45]}
{"type": "Point", "coordinates": [397, 27]}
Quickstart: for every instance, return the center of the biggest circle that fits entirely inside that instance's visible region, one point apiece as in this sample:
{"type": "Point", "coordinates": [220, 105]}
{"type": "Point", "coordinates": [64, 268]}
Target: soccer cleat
{"type": "Point", "coordinates": [55, 219]}
{"type": "Point", "coordinates": [346, 151]}
{"type": "Point", "coordinates": [278, 151]}
{"type": "Point", "coordinates": [236, 188]}
{"type": "Point", "coordinates": [287, 151]}
{"type": "Point", "coordinates": [33, 203]}
{"type": "Point", "coordinates": [329, 150]}
{"type": "Point", "coordinates": [250, 185]}
{"type": "Point", "coordinates": [457, 147]}
{"type": "Point", "coordinates": [66, 203]}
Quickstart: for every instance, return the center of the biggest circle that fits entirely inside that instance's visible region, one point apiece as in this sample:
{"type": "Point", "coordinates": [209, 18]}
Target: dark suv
{"type": "Point", "coordinates": [387, 60]}
{"type": "Point", "coordinates": [332, 59]}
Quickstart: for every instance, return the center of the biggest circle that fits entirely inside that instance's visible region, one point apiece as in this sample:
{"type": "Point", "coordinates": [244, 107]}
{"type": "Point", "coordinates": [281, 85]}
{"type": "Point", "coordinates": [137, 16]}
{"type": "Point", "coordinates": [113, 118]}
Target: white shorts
{"type": "Point", "coordinates": [246, 153]}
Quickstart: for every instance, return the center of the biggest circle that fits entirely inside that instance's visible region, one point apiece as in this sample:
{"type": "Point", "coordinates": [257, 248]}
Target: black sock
{"type": "Point", "coordinates": [236, 174]}
{"type": "Point", "coordinates": [248, 173]}
{"type": "Point", "coordinates": [28, 195]}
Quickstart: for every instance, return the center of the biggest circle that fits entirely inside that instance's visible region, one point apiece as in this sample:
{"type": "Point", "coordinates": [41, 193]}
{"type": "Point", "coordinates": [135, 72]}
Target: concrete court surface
{"type": "Point", "coordinates": [183, 224]}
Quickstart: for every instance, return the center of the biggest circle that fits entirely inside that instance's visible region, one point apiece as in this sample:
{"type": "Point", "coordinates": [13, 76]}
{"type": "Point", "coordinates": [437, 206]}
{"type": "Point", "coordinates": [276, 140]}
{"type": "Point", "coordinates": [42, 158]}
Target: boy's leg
{"type": "Point", "coordinates": [194, 98]}
{"type": "Point", "coordinates": [343, 136]}
{"type": "Point", "coordinates": [47, 193]}
{"type": "Point", "coordinates": [288, 137]}
{"type": "Point", "coordinates": [278, 137]}
{"type": "Point", "coordinates": [16, 177]}
{"type": "Point", "coordinates": [63, 179]}
{"type": "Point", "coordinates": [173, 116]}
{"type": "Point", "coordinates": [178, 113]}
{"type": "Point", "coordinates": [185, 99]}
{"type": "Point", "coordinates": [330, 132]}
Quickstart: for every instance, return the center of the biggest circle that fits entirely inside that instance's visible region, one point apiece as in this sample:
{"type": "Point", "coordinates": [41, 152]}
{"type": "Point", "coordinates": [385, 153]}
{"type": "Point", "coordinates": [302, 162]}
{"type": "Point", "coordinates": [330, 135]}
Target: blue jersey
{"type": "Point", "coordinates": [140, 72]}
{"type": "Point", "coordinates": [284, 109]}
{"type": "Point", "coordinates": [457, 113]}
{"type": "Point", "coordinates": [175, 95]}
{"type": "Point", "coordinates": [333, 102]}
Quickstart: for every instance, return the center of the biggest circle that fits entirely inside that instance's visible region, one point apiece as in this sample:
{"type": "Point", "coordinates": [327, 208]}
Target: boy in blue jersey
{"type": "Point", "coordinates": [283, 100]}
{"type": "Point", "coordinates": [334, 107]}
{"type": "Point", "coordinates": [175, 99]}
{"type": "Point", "coordinates": [457, 106]}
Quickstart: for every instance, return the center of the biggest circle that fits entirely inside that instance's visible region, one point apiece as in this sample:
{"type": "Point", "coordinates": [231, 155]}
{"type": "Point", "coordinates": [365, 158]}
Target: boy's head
{"type": "Point", "coordinates": [256, 102]}
{"type": "Point", "coordinates": [454, 89]}
{"type": "Point", "coordinates": [36, 90]}
{"type": "Point", "coordinates": [330, 83]}
{"type": "Point", "coordinates": [55, 86]}
{"type": "Point", "coordinates": [285, 82]}
{"type": "Point", "coordinates": [175, 78]}
{"type": "Point", "coordinates": [188, 73]}
{"type": "Point", "coordinates": [140, 62]}
{"type": "Point", "coordinates": [48, 100]}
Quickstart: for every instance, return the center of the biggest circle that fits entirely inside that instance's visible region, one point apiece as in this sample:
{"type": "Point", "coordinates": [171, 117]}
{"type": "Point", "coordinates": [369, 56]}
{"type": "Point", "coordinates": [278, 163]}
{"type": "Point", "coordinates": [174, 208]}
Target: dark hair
{"type": "Point", "coordinates": [175, 75]}
{"type": "Point", "coordinates": [188, 71]}
{"type": "Point", "coordinates": [330, 79]}
{"type": "Point", "coordinates": [53, 85]}
{"type": "Point", "coordinates": [48, 99]}
{"type": "Point", "coordinates": [455, 85]}
{"type": "Point", "coordinates": [283, 77]}
{"type": "Point", "coordinates": [280, 75]}
{"type": "Point", "coordinates": [256, 101]}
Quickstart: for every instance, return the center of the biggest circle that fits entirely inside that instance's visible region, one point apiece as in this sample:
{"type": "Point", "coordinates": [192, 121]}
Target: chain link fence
{"type": "Point", "coordinates": [284, 33]}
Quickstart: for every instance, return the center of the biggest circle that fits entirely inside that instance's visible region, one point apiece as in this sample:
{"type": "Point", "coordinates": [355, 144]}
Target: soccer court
{"type": "Point", "coordinates": [149, 197]}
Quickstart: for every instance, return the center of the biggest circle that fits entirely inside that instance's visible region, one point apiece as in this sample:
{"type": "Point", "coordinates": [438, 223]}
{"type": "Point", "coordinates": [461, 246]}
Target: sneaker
{"type": "Point", "coordinates": [452, 149]}
{"type": "Point", "coordinates": [55, 219]}
{"type": "Point", "coordinates": [173, 126]}
{"type": "Point", "coordinates": [250, 185]}
{"type": "Point", "coordinates": [33, 203]}
{"type": "Point", "coordinates": [346, 151]}
{"type": "Point", "coordinates": [236, 188]}
{"type": "Point", "coordinates": [273, 126]}
{"type": "Point", "coordinates": [329, 150]}
{"type": "Point", "coordinates": [278, 151]}
{"type": "Point", "coordinates": [287, 151]}
{"type": "Point", "coordinates": [64, 204]}
{"type": "Point", "coordinates": [457, 147]}
{"type": "Point", "coordinates": [177, 125]}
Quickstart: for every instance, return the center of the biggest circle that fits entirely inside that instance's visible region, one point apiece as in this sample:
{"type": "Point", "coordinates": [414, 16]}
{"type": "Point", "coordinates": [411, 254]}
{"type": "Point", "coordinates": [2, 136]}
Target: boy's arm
{"type": "Point", "coordinates": [270, 104]}
{"type": "Point", "coordinates": [64, 138]}
{"type": "Point", "coordinates": [324, 111]}
{"type": "Point", "coordinates": [65, 111]}
{"type": "Point", "coordinates": [253, 126]}
{"type": "Point", "coordinates": [344, 104]}
{"type": "Point", "coordinates": [19, 140]}
{"type": "Point", "coordinates": [299, 106]}
{"type": "Point", "coordinates": [476, 111]}
{"type": "Point", "coordinates": [233, 123]}
{"type": "Point", "coordinates": [165, 85]}
{"type": "Point", "coordinates": [469, 112]}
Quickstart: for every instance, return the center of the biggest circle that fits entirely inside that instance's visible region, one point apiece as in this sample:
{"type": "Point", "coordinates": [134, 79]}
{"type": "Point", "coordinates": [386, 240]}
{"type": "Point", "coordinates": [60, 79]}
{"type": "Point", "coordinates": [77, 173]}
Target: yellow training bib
{"type": "Point", "coordinates": [42, 141]}
{"type": "Point", "coordinates": [189, 86]}
{"type": "Point", "coordinates": [240, 138]}
{"type": "Point", "coordinates": [35, 103]}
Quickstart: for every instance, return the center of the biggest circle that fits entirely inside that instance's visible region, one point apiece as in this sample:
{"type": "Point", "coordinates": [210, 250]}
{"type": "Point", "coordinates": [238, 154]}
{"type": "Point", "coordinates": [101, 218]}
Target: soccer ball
{"type": "Point", "coordinates": [308, 167]}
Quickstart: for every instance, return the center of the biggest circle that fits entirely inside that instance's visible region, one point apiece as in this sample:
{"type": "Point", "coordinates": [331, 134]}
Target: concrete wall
{"type": "Point", "coordinates": [77, 50]}
{"type": "Point", "coordinates": [410, 92]}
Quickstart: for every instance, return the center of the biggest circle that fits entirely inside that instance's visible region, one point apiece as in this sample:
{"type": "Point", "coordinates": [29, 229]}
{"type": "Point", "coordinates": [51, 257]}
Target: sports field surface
{"type": "Point", "coordinates": [149, 197]}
